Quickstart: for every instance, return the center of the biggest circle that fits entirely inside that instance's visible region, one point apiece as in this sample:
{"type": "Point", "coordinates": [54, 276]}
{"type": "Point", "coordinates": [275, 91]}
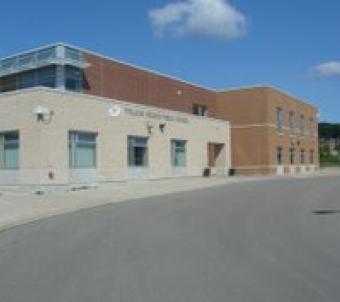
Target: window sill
{"type": "Point", "coordinates": [139, 167]}
{"type": "Point", "coordinates": [82, 168]}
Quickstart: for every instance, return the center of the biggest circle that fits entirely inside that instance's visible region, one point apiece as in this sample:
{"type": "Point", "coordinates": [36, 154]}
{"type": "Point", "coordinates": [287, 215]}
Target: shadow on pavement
{"type": "Point", "coordinates": [326, 212]}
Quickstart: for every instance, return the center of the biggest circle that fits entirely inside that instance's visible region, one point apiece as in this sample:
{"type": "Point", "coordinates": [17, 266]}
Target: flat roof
{"type": "Point", "coordinates": [83, 50]}
{"type": "Point", "coordinates": [267, 86]}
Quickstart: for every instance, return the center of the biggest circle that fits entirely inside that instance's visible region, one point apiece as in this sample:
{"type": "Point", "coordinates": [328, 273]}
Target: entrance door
{"type": "Point", "coordinates": [216, 158]}
{"type": "Point", "coordinates": [279, 159]}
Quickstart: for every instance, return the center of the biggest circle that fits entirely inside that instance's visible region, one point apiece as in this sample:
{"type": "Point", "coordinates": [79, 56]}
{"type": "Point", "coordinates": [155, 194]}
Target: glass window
{"type": "Point", "coordinates": [292, 156]}
{"type": "Point", "coordinates": [46, 54]}
{"type": "Point", "coordinates": [310, 126]}
{"type": "Point", "coordinates": [7, 64]}
{"type": "Point", "coordinates": [46, 76]}
{"type": "Point", "coordinates": [8, 83]}
{"type": "Point", "coordinates": [279, 156]}
{"type": "Point", "coordinates": [73, 78]}
{"type": "Point", "coordinates": [178, 153]}
{"type": "Point", "coordinates": [138, 151]}
{"type": "Point", "coordinates": [25, 60]}
{"type": "Point", "coordinates": [82, 149]}
{"type": "Point", "coordinates": [200, 110]}
{"type": "Point", "coordinates": [292, 122]}
{"type": "Point", "coordinates": [279, 119]}
{"type": "Point", "coordinates": [72, 54]}
{"type": "Point", "coordinates": [311, 157]}
{"type": "Point", "coordinates": [302, 125]}
{"type": "Point", "coordinates": [27, 79]}
{"type": "Point", "coordinates": [9, 150]}
{"type": "Point", "coordinates": [302, 157]}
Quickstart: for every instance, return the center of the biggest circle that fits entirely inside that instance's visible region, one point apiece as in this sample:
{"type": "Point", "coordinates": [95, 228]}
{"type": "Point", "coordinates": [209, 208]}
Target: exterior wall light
{"type": "Point", "coordinates": [162, 127]}
{"type": "Point", "coordinates": [43, 114]}
{"type": "Point", "coordinates": [149, 127]}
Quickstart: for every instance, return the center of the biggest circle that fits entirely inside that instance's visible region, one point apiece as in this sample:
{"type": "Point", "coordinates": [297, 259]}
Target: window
{"type": "Point", "coordinates": [292, 122]}
{"type": "Point", "coordinates": [311, 157]}
{"type": "Point", "coordinates": [73, 78]}
{"type": "Point", "coordinates": [302, 157]}
{"type": "Point", "coordinates": [279, 119]}
{"type": "Point", "coordinates": [46, 76]}
{"type": "Point", "coordinates": [200, 110]}
{"type": "Point", "coordinates": [8, 83]}
{"type": "Point", "coordinates": [138, 151]}
{"type": "Point", "coordinates": [302, 125]}
{"type": "Point", "coordinates": [72, 54]}
{"type": "Point", "coordinates": [25, 60]}
{"type": "Point", "coordinates": [9, 150]}
{"type": "Point", "coordinates": [82, 149]}
{"type": "Point", "coordinates": [178, 153]}
{"type": "Point", "coordinates": [310, 126]}
{"type": "Point", "coordinates": [47, 54]}
{"type": "Point", "coordinates": [279, 156]}
{"type": "Point", "coordinates": [292, 156]}
{"type": "Point", "coordinates": [27, 79]}
{"type": "Point", "coordinates": [8, 64]}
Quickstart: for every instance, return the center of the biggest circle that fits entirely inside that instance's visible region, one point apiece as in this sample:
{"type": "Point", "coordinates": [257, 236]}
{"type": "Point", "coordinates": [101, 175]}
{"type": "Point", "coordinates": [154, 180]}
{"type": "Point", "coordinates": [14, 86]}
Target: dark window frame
{"type": "Point", "coordinates": [200, 110]}
{"type": "Point", "coordinates": [178, 145]}
{"type": "Point", "coordinates": [75, 141]}
{"type": "Point", "coordinates": [138, 151]}
{"type": "Point", "coordinates": [9, 139]}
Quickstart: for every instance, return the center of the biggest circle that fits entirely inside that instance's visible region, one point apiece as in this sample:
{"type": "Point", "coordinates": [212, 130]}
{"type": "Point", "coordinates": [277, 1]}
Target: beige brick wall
{"type": "Point", "coordinates": [44, 146]}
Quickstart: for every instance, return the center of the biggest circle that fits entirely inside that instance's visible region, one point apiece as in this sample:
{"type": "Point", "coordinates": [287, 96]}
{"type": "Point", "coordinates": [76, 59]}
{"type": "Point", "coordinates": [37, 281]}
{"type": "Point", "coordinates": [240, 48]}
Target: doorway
{"type": "Point", "coordinates": [216, 158]}
{"type": "Point", "coordinates": [279, 160]}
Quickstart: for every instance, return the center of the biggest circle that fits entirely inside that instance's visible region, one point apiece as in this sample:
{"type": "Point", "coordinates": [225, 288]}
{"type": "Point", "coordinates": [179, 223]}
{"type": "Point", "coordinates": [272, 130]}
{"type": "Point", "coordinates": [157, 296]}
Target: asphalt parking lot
{"type": "Point", "coordinates": [273, 240]}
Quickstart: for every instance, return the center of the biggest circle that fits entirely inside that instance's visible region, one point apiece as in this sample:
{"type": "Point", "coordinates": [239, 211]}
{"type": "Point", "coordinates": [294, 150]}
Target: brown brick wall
{"type": "Point", "coordinates": [115, 80]}
{"type": "Point", "coordinates": [252, 113]}
{"type": "Point", "coordinates": [298, 142]}
{"type": "Point", "coordinates": [246, 106]}
{"type": "Point", "coordinates": [250, 147]}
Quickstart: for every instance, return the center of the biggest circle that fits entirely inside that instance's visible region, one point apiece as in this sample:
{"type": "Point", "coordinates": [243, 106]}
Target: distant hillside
{"type": "Point", "coordinates": [329, 136]}
{"type": "Point", "coordinates": [328, 131]}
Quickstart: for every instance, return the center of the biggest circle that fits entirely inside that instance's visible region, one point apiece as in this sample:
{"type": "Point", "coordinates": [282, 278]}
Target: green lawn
{"type": "Point", "coordinates": [329, 161]}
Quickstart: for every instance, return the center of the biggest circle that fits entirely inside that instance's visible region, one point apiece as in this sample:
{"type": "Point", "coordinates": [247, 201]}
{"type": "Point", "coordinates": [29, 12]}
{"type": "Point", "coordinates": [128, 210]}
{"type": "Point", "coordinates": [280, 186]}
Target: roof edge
{"type": "Point", "coordinates": [270, 87]}
{"type": "Point", "coordinates": [39, 89]}
{"type": "Point", "coordinates": [84, 50]}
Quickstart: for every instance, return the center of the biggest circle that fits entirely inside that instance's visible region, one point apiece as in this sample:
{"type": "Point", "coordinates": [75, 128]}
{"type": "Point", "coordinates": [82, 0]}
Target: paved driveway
{"type": "Point", "coordinates": [274, 241]}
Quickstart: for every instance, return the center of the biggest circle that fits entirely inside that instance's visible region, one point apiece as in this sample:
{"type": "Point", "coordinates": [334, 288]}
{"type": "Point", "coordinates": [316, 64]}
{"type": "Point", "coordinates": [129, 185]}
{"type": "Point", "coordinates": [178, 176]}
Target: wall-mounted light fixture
{"type": "Point", "coordinates": [149, 127]}
{"type": "Point", "coordinates": [162, 127]}
{"type": "Point", "coordinates": [43, 114]}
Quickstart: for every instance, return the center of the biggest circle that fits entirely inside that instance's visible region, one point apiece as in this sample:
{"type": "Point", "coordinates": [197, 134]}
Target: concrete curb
{"type": "Point", "coordinates": [55, 208]}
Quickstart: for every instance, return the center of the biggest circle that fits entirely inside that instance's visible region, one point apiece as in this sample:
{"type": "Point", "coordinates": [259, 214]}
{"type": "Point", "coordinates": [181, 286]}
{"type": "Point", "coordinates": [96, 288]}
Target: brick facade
{"type": "Point", "coordinates": [251, 111]}
{"type": "Point", "coordinates": [254, 135]}
{"type": "Point", "coordinates": [120, 81]}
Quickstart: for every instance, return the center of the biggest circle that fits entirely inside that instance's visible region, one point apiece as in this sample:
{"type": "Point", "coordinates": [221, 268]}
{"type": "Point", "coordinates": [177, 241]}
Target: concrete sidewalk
{"type": "Point", "coordinates": [21, 208]}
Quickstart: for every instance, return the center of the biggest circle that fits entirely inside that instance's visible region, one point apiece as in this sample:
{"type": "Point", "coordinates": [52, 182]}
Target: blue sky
{"type": "Point", "coordinates": [294, 45]}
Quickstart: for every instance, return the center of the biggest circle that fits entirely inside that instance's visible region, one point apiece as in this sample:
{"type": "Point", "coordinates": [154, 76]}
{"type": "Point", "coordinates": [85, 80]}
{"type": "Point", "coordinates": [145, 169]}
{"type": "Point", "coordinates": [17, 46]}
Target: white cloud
{"type": "Point", "coordinates": [327, 70]}
{"type": "Point", "coordinates": [210, 18]}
